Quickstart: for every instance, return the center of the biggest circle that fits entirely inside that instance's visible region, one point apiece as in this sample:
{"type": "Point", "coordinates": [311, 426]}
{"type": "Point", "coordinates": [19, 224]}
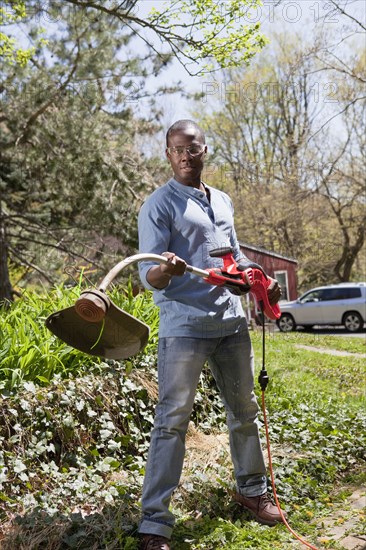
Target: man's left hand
{"type": "Point", "coordinates": [274, 291]}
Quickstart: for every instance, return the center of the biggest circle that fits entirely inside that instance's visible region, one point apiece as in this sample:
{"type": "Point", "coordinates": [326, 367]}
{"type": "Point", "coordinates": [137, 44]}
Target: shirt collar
{"type": "Point", "coordinates": [189, 190]}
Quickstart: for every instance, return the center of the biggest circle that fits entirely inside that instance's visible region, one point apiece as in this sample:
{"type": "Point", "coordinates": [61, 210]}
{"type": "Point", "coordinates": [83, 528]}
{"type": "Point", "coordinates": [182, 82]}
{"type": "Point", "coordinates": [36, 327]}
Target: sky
{"type": "Point", "coordinates": [304, 17]}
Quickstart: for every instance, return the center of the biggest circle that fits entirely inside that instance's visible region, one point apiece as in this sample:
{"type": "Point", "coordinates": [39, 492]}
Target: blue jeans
{"type": "Point", "coordinates": [180, 362]}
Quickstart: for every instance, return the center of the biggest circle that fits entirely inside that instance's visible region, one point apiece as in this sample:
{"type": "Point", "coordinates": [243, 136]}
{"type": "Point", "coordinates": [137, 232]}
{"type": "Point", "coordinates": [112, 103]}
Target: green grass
{"type": "Point", "coordinates": [308, 372]}
{"type": "Point", "coordinates": [351, 344]}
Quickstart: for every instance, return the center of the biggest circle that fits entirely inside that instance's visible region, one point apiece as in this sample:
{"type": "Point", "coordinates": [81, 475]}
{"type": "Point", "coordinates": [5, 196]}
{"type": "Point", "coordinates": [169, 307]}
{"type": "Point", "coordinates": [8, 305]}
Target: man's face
{"type": "Point", "coordinates": [187, 168]}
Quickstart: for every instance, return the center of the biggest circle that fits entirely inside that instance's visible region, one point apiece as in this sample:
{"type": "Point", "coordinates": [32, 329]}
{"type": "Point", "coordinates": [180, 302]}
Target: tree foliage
{"type": "Point", "coordinates": [72, 176]}
{"type": "Point", "coordinates": [339, 54]}
{"type": "Point", "coordinates": [191, 30]}
{"type": "Point", "coordinates": [70, 173]}
{"type": "Point", "coordinates": [12, 12]}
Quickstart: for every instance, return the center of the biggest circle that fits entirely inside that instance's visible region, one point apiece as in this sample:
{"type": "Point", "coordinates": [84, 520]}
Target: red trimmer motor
{"type": "Point", "coordinates": [242, 277]}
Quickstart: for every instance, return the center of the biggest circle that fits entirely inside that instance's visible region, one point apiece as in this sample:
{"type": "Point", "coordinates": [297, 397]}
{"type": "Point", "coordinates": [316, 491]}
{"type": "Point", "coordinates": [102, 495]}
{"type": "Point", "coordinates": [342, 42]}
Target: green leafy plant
{"type": "Point", "coordinates": [29, 352]}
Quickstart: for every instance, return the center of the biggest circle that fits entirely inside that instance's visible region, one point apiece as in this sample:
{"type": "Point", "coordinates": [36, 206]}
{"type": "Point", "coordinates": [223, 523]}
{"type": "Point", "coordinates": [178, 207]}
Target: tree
{"type": "Point", "coordinates": [341, 183]}
{"type": "Point", "coordinates": [295, 193]}
{"type": "Point", "coordinates": [71, 173]}
{"type": "Point", "coordinates": [261, 134]}
{"type": "Point", "coordinates": [339, 53]}
{"type": "Point", "coordinates": [193, 31]}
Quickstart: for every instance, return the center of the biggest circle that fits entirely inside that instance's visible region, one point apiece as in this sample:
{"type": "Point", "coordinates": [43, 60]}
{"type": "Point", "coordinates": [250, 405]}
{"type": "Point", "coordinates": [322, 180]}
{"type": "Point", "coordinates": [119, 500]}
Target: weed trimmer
{"type": "Point", "coordinates": [95, 325]}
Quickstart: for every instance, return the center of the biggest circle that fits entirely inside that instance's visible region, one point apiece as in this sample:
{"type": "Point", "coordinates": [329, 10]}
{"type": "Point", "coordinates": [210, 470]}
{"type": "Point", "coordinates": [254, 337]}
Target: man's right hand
{"type": "Point", "coordinates": [159, 276]}
{"type": "Point", "coordinates": [175, 265]}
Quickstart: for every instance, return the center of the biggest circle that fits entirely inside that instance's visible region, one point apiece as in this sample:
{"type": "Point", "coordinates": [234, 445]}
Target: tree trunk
{"type": "Point", "coordinates": [6, 294]}
{"type": "Point", "coordinates": [343, 267]}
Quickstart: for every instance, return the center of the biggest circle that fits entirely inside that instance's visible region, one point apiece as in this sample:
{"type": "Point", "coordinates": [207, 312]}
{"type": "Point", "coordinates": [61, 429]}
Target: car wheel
{"type": "Point", "coordinates": [353, 321]}
{"type": "Point", "coordinates": [286, 323]}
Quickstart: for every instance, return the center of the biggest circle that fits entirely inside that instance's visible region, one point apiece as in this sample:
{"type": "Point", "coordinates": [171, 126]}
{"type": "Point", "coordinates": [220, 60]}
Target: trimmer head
{"type": "Point", "coordinates": [95, 325]}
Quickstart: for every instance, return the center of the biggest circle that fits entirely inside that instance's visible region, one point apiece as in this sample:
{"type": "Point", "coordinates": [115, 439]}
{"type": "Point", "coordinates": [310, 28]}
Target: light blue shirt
{"type": "Point", "coordinates": [180, 219]}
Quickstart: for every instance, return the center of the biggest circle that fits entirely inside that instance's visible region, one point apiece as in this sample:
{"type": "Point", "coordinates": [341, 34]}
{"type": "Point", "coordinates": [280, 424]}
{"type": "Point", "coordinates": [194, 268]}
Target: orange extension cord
{"type": "Point", "coordinates": [263, 381]}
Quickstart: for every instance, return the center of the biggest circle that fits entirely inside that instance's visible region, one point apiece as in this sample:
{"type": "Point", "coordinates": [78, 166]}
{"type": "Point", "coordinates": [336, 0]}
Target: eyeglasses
{"type": "Point", "coordinates": [192, 150]}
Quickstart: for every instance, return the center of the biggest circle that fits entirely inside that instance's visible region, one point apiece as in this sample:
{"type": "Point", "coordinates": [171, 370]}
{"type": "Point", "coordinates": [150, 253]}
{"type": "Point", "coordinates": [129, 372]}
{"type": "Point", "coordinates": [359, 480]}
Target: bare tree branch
{"type": "Point", "coordinates": [343, 12]}
{"type": "Point", "coordinates": [336, 115]}
{"type": "Point", "coordinates": [26, 263]}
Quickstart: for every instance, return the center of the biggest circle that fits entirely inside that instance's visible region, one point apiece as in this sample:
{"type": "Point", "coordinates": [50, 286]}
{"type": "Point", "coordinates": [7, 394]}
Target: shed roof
{"type": "Point", "coordinates": [267, 252]}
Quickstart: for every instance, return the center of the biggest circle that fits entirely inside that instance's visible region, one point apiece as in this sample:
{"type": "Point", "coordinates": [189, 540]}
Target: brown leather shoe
{"type": "Point", "coordinates": [262, 508]}
{"type": "Point", "coordinates": [154, 542]}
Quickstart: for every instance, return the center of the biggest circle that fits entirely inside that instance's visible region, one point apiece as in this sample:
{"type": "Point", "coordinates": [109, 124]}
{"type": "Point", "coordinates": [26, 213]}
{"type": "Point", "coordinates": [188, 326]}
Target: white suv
{"type": "Point", "coordinates": [341, 304]}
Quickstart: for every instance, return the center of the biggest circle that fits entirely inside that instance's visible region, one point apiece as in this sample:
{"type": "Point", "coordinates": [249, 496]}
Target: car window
{"type": "Point", "coordinates": [312, 296]}
{"type": "Point", "coordinates": [348, 293]}
{"type": "Point", "coordinates": [329, 294]}
{"type": "Point", "coordinates": [340, 293]}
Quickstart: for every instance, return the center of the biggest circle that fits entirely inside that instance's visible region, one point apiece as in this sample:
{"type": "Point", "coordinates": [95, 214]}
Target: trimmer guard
{"type": "Point", "coordinates": [117, 336]}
